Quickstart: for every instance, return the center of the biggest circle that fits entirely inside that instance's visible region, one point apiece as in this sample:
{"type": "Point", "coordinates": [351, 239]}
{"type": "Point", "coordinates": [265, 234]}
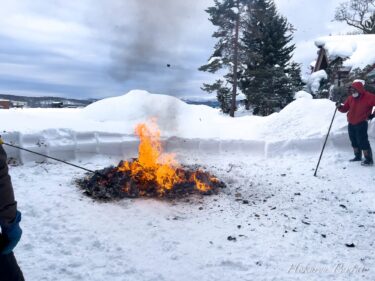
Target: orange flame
{"type": "Point", "coordinates": [153, 165]}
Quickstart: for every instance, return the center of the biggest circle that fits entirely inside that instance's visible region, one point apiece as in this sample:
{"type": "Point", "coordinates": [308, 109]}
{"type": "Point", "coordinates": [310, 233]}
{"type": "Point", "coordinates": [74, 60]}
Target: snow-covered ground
{"type": "Point", "coordinates": [287, 224]}
{"type": "Point", "coordinates": [274, 221]}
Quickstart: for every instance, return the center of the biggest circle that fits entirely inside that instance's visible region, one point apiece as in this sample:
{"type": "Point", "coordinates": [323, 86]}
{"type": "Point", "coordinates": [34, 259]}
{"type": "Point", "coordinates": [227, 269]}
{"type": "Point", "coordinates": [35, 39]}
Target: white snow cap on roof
{"type": "Point", "coordinates": [314, 80]}
{"type": "Point", "coordinates": [358, 50]}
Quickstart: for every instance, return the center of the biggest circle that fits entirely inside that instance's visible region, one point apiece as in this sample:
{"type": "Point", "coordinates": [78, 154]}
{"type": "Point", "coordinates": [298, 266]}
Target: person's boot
{"type": "Point", "coordinates": [357, 155]}
{"type": "Point", "coordinates": [368, 158]}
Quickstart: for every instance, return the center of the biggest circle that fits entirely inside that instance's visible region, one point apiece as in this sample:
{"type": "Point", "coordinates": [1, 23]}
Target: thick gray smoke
{"type": "Point", "coordinates": [148, 42]}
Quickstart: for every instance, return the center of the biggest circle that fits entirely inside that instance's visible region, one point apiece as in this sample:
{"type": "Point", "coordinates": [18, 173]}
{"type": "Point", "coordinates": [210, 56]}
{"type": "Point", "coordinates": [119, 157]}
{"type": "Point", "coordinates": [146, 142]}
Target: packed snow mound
{"type": "Point", "coordinates": [358, 50]}
{"type": "Point", "coordinates": [174, 116]}
{"type": "Point", "coordinates": [137, 105]}
{"type": "Point", "coordinates": [302, 95]}
{"type": "Point", "coordinates": [303, 118]}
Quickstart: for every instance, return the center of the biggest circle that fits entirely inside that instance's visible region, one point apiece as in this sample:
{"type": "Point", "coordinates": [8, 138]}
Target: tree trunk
{"type": "Point", "coordinates": [235, 66]}
{"type": "Point", "coordinates": [247, 104]}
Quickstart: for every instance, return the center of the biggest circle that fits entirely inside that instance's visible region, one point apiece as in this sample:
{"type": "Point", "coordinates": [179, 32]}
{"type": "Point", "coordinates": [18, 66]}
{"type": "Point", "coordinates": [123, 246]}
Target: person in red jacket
{"type": "Point", "coordinates": [359, 107]}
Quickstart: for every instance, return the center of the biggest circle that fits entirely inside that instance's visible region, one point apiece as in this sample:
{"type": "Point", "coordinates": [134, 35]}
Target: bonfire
{"type": "Point", "coordinates": [152, 174]}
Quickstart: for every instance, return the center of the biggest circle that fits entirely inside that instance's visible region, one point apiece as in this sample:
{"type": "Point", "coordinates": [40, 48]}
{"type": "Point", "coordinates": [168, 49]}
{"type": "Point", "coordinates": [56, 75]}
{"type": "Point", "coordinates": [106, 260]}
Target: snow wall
{"type": "Point", "coordinates": [69, 145]}
{"type": "Point", "coordinates": [107, 128]}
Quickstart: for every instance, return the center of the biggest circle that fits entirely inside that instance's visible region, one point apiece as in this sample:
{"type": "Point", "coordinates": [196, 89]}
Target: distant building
{"type": "Point", "coordinates": [4, 104]}
{"type": "Point", "coordinates": [57, 104]}
{"type": "Point", "coordinates": [73, 104]}
{"type": "Point", "coordinates": [46, 103]}
{"type": "Point", "coordinates": [18, 104]}
{"type": "Point", "coordinates": [51, 104]}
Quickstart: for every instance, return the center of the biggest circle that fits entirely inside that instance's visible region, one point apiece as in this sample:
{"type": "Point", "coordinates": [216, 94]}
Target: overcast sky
{"type": "Point", "coordinates": [96, 49]}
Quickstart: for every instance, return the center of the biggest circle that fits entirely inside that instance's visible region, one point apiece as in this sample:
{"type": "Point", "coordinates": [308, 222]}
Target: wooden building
{"type": "Point", "coordinates": [341, 54]}
{"type": "Point", "coordinates": [4, 104]}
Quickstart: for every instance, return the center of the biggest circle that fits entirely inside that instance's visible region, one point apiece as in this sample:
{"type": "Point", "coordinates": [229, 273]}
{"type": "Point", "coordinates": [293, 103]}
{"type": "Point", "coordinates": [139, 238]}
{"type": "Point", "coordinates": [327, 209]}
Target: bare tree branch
{"type": "Point", "coordinates": [358, 13]}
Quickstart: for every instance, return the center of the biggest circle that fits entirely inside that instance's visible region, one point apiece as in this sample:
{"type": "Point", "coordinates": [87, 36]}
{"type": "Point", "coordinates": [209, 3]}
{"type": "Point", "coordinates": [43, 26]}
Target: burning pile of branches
{"type": "Point", "coordinates": [152, 174]}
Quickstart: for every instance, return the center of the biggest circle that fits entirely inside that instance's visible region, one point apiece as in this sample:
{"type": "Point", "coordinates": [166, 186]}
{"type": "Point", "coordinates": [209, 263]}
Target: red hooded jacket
{"type": "Point", "coordinates": [359, 109]}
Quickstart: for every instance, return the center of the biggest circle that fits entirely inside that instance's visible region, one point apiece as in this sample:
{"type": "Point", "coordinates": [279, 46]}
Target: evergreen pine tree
{"type": "Point", "coordinates": [293, 72]}
{"type": "Point", "coordinates": [270, 78]}
{"type": "Point", "coordinates": [224, 15]}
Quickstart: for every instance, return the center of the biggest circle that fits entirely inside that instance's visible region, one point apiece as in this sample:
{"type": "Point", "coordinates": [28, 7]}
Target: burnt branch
{"type": "Point", "coordinates": [119, 183]}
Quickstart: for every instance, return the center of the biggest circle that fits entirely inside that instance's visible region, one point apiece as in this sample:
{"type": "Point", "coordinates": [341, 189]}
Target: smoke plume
{"type": "Point", "coordinates": [148, 41]}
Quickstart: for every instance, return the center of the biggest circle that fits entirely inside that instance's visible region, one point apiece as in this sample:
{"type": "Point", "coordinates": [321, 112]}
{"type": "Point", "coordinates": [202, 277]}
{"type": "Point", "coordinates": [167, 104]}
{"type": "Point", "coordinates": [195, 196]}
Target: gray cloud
{"type": "Point", "coordinates": [137, 40]}
{"type": "Point", "coordinates": [92, 48]}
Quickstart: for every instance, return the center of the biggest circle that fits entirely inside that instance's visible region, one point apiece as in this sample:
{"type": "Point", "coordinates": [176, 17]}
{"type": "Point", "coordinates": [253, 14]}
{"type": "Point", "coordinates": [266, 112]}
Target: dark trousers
{"type": "Point", "coordinates": [9, 269]}
{"type": "Point", "coordinates": [358, 135]}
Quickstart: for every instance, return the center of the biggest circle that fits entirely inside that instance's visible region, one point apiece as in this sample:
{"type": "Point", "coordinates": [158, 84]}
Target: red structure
{"type": "Point", "coordinates": [4, 104]}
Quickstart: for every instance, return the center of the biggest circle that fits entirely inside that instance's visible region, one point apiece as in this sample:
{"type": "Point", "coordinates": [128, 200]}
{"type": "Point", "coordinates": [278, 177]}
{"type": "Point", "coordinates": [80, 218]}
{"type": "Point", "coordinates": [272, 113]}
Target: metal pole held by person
{"type": "Point", "coordinates": [325, 142]}
{"type": "Point", "coordinates": [49, 157]}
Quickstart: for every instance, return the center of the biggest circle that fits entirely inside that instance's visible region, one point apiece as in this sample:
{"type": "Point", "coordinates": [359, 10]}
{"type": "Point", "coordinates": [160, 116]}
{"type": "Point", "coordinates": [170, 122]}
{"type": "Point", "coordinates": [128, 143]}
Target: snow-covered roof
{"type": "Point", "coordinates": [357, 50]}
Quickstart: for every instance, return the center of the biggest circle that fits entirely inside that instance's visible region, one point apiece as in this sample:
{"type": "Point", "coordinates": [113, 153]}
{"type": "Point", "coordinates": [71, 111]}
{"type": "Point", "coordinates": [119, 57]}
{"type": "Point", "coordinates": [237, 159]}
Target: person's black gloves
{"type": "Point", "coordinates": [371, 116]}
{"type": "Point", "coordinates": [338, 104]}
{"type": "Point", "coordinates": [11, 235]}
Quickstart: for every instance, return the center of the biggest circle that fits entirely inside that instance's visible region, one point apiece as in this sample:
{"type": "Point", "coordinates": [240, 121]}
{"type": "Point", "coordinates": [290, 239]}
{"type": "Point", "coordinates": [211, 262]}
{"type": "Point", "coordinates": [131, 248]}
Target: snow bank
{"type": "Point", "coordinates": [120, 115]}
{"type": "Point", "coordinates": [302, 95]}
{"type": "Point", "coordinates": [305, 118]}
{"type": "Point", "coordinates": [357, 49]}
{"type": "Point", "coordinates": [107, 127]}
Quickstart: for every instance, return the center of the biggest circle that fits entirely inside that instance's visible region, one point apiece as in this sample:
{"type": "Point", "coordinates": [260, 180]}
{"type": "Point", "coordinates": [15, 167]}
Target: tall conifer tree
{"type": "Point", "coordinates": [267, 80]}
{"type": "Point", "coordinates": [225, 15]}
{"type": "Point", "coordinates": [260, 60]}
